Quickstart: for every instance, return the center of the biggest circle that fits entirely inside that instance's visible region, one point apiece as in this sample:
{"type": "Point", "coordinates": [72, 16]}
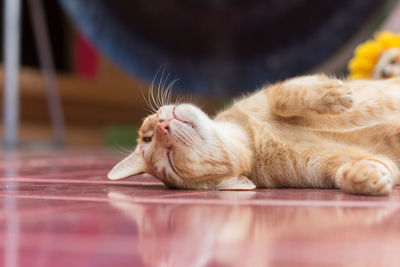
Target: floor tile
{"type": "Point", "coordinates": [61, 212]}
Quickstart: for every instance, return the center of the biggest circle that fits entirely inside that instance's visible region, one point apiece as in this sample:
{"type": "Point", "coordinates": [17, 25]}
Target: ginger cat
{"type": "Point", "coordinates": [310, 131]}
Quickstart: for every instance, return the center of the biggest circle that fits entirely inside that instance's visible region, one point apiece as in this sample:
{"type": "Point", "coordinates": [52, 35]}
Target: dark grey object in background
{"type": "Point", "coordinates": [220, 46]}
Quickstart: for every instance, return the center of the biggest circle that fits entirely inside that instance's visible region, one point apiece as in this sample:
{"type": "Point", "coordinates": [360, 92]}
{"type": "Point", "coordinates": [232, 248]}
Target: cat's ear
{"type": "Point", "coordinates": [238, 182]}
{"type": "Point", "coordinates": [131, 165]}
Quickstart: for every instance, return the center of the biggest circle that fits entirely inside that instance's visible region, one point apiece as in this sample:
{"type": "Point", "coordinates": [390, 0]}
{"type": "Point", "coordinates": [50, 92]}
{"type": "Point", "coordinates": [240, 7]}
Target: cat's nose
{"type": "Point", "coordinates": [162, 127]}
{"type": "Point", "coordinates": [162, 132]}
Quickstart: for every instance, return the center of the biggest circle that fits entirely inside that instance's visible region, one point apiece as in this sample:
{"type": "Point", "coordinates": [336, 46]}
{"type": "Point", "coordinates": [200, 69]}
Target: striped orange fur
{"type": "Point", "coordinates": [310, 131]}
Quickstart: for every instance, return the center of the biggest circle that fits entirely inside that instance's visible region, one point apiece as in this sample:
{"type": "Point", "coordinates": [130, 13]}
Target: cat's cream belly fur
{"type": "Point", "coordinates": [312, 151]}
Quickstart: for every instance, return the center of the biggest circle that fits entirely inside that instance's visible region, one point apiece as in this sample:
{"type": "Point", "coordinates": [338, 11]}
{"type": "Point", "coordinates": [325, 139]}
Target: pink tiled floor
{"type": "Point", "coordinates": [58, 209]}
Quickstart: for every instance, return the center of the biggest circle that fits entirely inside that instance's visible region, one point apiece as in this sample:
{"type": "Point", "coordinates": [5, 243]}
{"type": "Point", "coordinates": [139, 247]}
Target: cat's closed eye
{"type": "Point", "coordinates": [146, 139]}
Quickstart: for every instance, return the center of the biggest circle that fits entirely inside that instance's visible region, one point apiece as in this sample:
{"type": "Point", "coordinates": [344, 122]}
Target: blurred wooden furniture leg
{"type": "Point", "coordinates": [48, 70]}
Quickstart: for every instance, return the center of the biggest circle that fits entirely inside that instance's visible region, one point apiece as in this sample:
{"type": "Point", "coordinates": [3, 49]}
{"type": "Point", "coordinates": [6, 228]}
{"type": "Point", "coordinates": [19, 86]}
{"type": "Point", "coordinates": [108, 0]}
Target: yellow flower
{"type": "Point", "coordinates": [366, 55]}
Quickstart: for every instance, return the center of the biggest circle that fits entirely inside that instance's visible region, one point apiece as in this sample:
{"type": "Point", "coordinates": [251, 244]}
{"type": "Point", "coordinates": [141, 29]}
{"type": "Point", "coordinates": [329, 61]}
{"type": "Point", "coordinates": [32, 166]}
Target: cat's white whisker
{"type": "Point", "coordinates": [158, 99]}
{"type": "Point", "coordinates": [179, 101]}
{"type": "Point", "coordinates": [208, 156]}
{"type": "Point", "coordinates": [169, 90]}
{"type": "Point", "coordinates": [124, 151]}
{"type": "Point", "coordinates": [150, 109]}
{"type": "Point", "coordinates": [186, 134]}
{"type": "Point", "coordinates": [145, 100]}
{"type": "Point", "coordinates": [181, 140]}
{"type": "Point", "coordinates": [201, 149]}
{"type": "Point", "coordinates": [164, 90]}
{"type": "Point", "coordinates": [151, 91]}
{"type": "Point", "coordinates": [184, 137]}
{"type": "Point", "coordinates": [151, 99]}
{"type": "Point", "coordinates": [183, 132]}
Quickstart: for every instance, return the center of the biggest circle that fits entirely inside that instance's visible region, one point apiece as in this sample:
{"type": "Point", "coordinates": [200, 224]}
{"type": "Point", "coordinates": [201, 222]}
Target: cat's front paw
{"type": "Point", "coordinates": [366, 177]}
{"type": "Point", "coordinates": [334, 97]}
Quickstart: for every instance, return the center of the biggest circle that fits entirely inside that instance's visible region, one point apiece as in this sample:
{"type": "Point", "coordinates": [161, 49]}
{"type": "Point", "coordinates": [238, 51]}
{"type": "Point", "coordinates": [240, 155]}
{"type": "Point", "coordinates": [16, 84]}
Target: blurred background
{"type": "Point", "coordinates": [91, 62]}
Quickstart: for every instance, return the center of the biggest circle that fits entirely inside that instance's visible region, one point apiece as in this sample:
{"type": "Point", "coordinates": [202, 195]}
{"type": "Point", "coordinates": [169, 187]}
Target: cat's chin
{"type": "Point", "coordinates": [187, 116]}
{"type": "Point", "coordinates": [184, 125]}
{"type": "Point", "coordinates": [181, 119]}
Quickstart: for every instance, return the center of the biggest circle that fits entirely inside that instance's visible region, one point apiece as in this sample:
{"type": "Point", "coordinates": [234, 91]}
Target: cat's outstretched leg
{"type": "Point", "coordinates": [350, 168]}
{"type": "Point", "coordinates": [371, 176]}
{"type": "Point", "coordinates": [308, 95]}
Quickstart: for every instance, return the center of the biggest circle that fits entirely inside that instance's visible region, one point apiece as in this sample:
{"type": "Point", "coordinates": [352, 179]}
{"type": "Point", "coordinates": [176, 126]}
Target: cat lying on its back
{"type": "Point", "coordinates": [310, 131]}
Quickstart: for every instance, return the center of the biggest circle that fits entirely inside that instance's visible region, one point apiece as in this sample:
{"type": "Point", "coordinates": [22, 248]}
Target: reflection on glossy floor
{"type": "Point", "coordinates": [58, 209]}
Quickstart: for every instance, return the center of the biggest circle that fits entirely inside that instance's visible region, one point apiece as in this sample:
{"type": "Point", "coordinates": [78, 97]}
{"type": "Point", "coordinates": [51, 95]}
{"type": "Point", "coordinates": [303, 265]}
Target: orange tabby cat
{"type": "Point", "coordinates": [310, 131]}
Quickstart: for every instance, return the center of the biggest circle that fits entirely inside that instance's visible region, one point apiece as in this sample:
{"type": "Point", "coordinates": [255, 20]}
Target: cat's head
{"type": "Point", "coordinates": [181, 146]}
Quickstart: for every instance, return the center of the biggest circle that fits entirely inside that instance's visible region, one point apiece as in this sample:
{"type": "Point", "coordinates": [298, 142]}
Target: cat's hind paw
{"type": "Point", "coordinates": [335, 98]}
{"type": "Point", "coordinates": [365, 177]}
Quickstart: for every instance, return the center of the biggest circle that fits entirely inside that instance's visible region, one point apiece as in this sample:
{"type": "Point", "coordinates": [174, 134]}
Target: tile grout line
{"type": "Point", "coordinates": [297, 203]}
{"type": "Point", "coordinates": [76, 181]}
{"type": "Point", "coordinates": [48, 210]}
{"type": "Point", "coordinates": [63, 174]}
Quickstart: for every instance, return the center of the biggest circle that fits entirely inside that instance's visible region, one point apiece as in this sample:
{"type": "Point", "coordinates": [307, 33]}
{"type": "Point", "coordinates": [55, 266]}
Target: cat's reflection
{"type": "Point", "coordinates": [199, 235]}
